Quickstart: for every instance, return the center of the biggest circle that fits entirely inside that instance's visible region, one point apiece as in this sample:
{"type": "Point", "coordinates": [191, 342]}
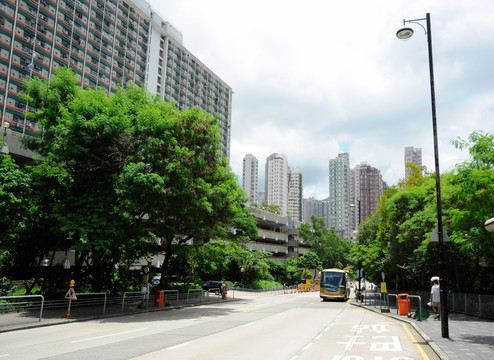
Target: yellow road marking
{"type": "Point", "coordinates": [421, 351]}
{"type": "Point", "coordinates": [415, 342]}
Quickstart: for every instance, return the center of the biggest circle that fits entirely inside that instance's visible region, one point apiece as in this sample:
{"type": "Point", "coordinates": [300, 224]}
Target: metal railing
{"type": "Point", "coordinates": [172, 293]}
{"type": "Point", "coordinates": [460, 303]}
{"type": "Point", "coordinates": [368, 295]}
{"type": "Point", "coordinates": [134, 296]}
{"type": "Point", "coordinates": [420, 304]}
{"type": "Point", "coordinates": [21, 305]}
{"type": "Point", "coordinates": [389, 303]}
{"type": "Point", "coordinates": [194, 294]}
{"type": "Point", "coordinates": [94, 301]}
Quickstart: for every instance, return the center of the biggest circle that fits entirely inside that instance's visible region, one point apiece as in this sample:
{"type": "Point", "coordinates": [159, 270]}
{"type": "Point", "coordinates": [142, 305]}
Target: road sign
{"type": "Point", "coordinates": [435, 236]}
{"type": "Point", "coordinates": [71, 294]}
{"type": "Point", "coordinates": [383, 288]}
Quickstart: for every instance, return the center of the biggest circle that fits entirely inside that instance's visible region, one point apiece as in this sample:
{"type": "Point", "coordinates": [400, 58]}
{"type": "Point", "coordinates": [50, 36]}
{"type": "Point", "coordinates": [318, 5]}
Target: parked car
{"type": "Point", "coordinates": [217, 286]}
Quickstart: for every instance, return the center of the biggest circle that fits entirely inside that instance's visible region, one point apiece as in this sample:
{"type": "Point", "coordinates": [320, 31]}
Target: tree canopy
{"type": "Point", "coordinates": [396, 239]}
{"type": "Point", "coordinates": [333, 252]}
{"type": "Point", "coordinates": [119, 177]}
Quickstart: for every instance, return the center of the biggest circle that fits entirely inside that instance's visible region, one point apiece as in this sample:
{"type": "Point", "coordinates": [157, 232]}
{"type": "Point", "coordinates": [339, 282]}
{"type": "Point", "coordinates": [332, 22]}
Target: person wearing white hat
{"type": "Point", "coordinates": [435, 297]}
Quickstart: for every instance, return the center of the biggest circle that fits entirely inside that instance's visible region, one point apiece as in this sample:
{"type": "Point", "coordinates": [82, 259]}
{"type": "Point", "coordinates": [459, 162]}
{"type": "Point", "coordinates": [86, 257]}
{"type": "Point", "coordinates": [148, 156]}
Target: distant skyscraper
{"type": "Point", "coordinates": [412, 155]}
{"type": "Point", "coordinates": [295, 194]}
{"type": "Point", "coordinates": [250, 176]}
{"type": "Point", "coordinates": [276, 182]}
{"type": "Point", "coordinates": [339, 195]}
{"type": "Point", "coordinates": [367, 189]}
{"type": "Point", "coordinates": [318, 208]}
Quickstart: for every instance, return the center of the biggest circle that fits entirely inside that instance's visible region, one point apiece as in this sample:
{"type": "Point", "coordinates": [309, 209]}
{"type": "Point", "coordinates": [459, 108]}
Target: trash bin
{"type": "Point", "coordinates": [159, 298]}
{"type": "Point", "coordinates": [420, 314]}
{"type": "Point", "coordinates": [402, 304]}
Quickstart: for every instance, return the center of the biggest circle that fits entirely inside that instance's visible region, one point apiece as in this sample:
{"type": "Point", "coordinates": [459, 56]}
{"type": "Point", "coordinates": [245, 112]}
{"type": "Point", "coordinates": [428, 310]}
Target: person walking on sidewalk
{"type": "Point", "coordinates": [435, 298]}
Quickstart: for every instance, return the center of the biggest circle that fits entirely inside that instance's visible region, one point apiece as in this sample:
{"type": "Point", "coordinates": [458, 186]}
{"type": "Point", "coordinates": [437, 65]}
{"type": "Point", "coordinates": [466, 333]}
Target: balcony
{"type": "Point", "coordinates": [272, 235]}
{"type": "Point", "coordinates": [275, 249]}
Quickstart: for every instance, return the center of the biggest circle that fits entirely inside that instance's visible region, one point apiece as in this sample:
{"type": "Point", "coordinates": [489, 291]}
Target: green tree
{"type": "Point", "coordinates": [177, 184]}
{"type": "Point", "coordinates": [472, 193]}
{"type": "Point", "coordinates": [27, 230]}
{"type": "Point", "coordinates": [87, 137]}
{"type": "Point", "coordinates": [396, 240]}
{"type": "Point", "coordinates": [331, 249]}
{"type": "Point", "coordinates": [415, 178]}
{"type": "Point", "coordinates": [310, 260]}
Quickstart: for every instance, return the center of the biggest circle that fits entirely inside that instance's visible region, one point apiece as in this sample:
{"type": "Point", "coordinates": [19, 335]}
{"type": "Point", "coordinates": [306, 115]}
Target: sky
{"type": "Point", "coordinates": [316, 78]}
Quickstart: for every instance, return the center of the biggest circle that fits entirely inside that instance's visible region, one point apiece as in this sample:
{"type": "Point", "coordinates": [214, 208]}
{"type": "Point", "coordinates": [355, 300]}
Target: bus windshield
{"type": "Point", "coordinates": [333, 280]}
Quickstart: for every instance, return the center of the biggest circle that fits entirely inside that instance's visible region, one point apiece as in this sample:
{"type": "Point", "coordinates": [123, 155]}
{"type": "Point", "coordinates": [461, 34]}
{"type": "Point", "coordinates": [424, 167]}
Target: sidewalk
{"type": "Point", "coordinates": [469, 337]}
{"type": "Point", "coordinates": [30, 319]}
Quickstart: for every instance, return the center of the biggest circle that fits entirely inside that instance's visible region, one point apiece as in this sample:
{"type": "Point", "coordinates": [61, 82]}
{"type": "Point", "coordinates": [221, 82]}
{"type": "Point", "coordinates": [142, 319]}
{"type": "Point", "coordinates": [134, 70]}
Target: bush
{"type": "Point", "coordinates": [6, 286]}
{"type": "Point", "coordinates": [265, 284]}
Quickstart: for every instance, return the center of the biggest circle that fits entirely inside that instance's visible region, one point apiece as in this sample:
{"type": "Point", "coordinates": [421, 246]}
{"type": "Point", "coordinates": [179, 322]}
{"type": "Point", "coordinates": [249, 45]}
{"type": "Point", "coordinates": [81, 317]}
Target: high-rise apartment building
{"type": "Point", "coordinates": [276, 181]}
{"type": "Point", "coordinates": [318, 208]}
{"type": "Point", "coordinates": [295, 194]}
{"type": "Point", "coordinates": [250, 178]}
{"type": "Point", "coordinates": [339, 195]}
{"type": "Point", "coordinates": [367, 188]}
{"type": "Point", "coordinates": [412, 155]}
{"type": "Point", "coordinates": [107, 43]}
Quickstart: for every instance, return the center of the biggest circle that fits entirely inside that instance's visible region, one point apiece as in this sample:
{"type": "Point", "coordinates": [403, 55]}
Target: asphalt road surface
{"type": "Point", "coordinates": [255, 326]}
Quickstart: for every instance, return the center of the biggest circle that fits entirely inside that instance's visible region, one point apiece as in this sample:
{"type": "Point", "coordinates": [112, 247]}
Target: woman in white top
{"type": "Point", "coordinates": [435, 299]}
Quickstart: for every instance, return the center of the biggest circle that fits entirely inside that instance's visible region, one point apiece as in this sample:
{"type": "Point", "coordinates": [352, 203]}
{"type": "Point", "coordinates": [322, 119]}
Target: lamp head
{"type": "Point", "coordinates": [404, 33]}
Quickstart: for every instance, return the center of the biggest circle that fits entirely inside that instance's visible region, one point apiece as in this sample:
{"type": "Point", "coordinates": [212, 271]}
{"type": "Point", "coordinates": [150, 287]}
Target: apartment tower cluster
{"type": "Point", "coordinates": [354, 193]}
{"type": "Point", "coordinates": [353, 196]}
{"type": "Point", "coordinates": [106, 43]}
{"type": "Point", "coordinates": [283, 185]}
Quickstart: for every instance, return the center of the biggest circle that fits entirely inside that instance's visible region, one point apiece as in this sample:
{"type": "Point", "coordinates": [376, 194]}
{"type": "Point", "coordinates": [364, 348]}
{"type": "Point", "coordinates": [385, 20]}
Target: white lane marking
{"type": "Point", "coordinates": [109, 335]}
{"type": "Point", "coordinates": [307, 346]}
{"type": "Point", "coordinates": [249, 324]}
{"type": "Point", "coordinates": [4, 355]}
{"type": "Point", "coordinates": [177, 346]}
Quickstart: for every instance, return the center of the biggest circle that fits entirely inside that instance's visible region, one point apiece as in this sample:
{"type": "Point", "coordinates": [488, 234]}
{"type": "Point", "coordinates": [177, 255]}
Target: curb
{"type": "Point", "coordinates": [62, 321]}
{"type": "Point", "coordinates": [439, 352]}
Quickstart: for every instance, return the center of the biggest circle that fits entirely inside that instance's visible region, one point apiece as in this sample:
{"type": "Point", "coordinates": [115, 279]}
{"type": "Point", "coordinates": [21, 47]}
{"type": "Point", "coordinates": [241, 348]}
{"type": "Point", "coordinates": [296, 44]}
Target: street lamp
{"type": "Point", "coordinates": [489, 225]}
{"type": "Point", "coordinates": [405, 34]}
{"type": "Point", "coordinates": [359, 265]}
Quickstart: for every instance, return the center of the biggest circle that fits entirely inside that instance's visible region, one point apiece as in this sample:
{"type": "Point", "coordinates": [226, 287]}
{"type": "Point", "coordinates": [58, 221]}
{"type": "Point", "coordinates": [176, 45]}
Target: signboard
{"type": "Point", "coordinates": [435, 236]}
{"type": "Point", "coordinates": [383, 287]}
{"type": "Point", "coordinates": [71, 294]}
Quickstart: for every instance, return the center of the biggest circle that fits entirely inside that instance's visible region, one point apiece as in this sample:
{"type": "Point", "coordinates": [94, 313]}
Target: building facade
{"type": "Point", "coordinates": [318, 208]}
{"type": "Point", "coordinates": [295, 194]}
{"type": "Point", "coordinates": [412, 155]}
{"type": "Point", "coordinates": [107, 43]}
{"type": "Point", "coordinates": [276, 182]}
{"type": "Point", "coordinates": [339, 195]}
{"type": "Point", "coordinates": [250, 177]}
{"type": "Point", "coordinates": [368, 187]}
{"type": "Point", "coordinates": [278, 235]}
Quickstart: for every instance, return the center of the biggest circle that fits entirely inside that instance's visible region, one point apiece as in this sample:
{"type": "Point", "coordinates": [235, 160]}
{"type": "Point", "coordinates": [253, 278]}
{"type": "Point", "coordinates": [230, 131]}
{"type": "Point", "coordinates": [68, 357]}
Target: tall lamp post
{"type": "Point", "coordinates": [405, 34]}
{"type": "Point", "coordinates": [359, 263]}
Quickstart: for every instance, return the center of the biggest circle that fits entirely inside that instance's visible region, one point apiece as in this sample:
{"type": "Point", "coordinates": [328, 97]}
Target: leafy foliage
{"type": "Point", "coordinates": [332, 251]}
{"type": "Point", "coordinates": [120, 177]}
{"type": "Point", "coordinates": [396, 239]}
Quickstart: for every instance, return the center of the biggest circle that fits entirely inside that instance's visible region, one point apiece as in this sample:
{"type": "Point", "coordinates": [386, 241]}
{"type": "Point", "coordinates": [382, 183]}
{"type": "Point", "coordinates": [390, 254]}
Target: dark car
{"type": "Point", "coordinates": [216, 286]}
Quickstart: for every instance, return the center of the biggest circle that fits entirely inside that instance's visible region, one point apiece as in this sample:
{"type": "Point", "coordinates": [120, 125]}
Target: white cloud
{"type": "Point", "coordinates": [312, 79]}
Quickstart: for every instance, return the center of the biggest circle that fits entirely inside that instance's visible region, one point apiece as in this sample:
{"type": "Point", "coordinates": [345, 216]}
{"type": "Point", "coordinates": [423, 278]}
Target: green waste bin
{"type": "Point", "coordinates": [420, 314]}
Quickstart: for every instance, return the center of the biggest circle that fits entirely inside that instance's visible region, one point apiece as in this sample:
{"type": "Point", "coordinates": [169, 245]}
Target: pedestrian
{"type": "Point", "coordinates": [435, 298]}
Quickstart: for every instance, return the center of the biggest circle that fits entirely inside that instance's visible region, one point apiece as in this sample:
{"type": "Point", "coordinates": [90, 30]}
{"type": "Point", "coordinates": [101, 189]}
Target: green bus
{"type": "Point", "coordinates": [334, 284]}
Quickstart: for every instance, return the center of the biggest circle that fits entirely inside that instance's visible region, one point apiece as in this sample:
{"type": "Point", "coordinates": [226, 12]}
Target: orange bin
{"type": "Point", "coordinates": [159, 298]}
{"type": "Point", "coordinates": [402, 304]}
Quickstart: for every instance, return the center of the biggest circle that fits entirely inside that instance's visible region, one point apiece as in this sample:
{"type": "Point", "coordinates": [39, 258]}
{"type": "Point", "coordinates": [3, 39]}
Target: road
{"type": "Point", "coordinates": [256, 326]}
